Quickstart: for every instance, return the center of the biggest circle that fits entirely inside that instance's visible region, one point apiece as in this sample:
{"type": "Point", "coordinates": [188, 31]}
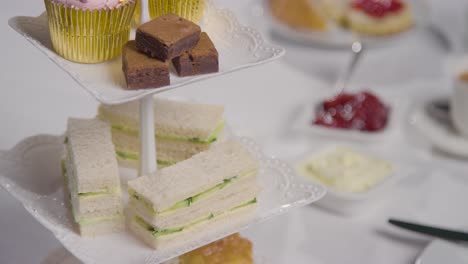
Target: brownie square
{"type": "Point", "coordinates": [167, 37]}
{"type": "Point", "coordinates": [200, 60]}
{"type": "Point", "coordinates": [142, 71]}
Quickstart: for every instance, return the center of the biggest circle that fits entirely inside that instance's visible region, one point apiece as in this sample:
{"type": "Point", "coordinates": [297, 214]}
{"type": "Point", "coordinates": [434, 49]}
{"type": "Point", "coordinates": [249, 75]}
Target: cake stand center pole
{"type": "Point", "coordinates": [144, 11]}
{"type": "Point", "coordinates": [147, 136]}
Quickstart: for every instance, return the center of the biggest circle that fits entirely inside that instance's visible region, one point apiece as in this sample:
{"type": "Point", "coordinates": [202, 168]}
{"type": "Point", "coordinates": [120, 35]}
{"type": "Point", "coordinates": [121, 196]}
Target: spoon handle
{"type": "Point", "coordinates": [357, 50]}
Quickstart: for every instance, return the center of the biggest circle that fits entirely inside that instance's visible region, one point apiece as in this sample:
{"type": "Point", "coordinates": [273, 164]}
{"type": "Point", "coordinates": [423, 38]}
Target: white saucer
{"type": "Point", "coordinates": [440, 133]}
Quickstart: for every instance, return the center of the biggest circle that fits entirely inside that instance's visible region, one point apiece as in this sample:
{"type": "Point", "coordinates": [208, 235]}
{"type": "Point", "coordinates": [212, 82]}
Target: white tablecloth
{"type": "Point", "coordinates": [36, 97]}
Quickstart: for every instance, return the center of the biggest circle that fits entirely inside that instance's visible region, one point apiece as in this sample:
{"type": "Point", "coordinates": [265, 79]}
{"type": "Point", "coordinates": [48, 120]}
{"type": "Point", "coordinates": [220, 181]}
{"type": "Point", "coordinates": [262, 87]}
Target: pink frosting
{"type": "Point", "coordinates": [91, 4]}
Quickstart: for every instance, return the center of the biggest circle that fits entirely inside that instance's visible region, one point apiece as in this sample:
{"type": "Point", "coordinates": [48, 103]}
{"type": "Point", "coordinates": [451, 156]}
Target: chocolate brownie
{"type": "Point", "coordinates": [200, 60]}
{"type": "Point", "coordinates": [167, 37]}
{"type": "Point", "coordinates": [142, 71]}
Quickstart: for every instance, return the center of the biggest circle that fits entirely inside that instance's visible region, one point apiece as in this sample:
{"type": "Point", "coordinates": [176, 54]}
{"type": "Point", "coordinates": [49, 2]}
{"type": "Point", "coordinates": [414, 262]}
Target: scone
{"type": "Point", "coordinates": [299, 14]}
{"type": "Point", "coordinates": [336, 10]}
{"type": "Point", "coordinates": [230, 250]}
{"type": "Point", "coordinates": [379, 17]}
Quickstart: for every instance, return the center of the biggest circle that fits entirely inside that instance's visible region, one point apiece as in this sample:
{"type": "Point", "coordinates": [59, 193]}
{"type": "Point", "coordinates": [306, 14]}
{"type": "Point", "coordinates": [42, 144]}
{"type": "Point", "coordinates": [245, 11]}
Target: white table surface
{"type": "Point", "coordinates": [37, 98]}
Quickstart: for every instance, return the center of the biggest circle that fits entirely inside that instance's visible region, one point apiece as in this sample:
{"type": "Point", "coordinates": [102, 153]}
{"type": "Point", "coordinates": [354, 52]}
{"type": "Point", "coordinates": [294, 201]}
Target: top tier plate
{"type": "Point", "coordinates": [238, 46]}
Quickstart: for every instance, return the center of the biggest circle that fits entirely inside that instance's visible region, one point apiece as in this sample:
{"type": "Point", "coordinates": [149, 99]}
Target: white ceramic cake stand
{"type": "Point", "coordinates": [147, 138]}
{"type": "Point", "coordinates": [238, 47]}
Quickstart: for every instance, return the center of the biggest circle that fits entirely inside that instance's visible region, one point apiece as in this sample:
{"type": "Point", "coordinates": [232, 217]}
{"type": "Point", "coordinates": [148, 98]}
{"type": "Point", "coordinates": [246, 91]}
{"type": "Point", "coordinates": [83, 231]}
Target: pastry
{"type": "Point", "coordinates": [141, 71]}
{"type": "Point", "coordinates": [463, 76]}
{"type": "Point", "coordinates": [232, 249]}
{"type": "Point", "coordinates": [183, 129]}
{"type": "Point", "coordinates": [194, 196]}
{"type": "Point", "coordinates": [299, 14]}
{"type": "Point", "coordinates": [89, 31]}
{"type": "Point", "coordinates": [92, 177]}
{"type": "Point", "coordinates": [167, 37]}
{"type": "Point", "coordinates": [379, 17]}
{"type": "Point", "coordinates": [336, 10]}
{"type": "Point", "coordinates": [202, 59]}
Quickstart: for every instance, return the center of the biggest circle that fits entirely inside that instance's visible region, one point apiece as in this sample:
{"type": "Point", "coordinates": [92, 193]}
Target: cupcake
{"type": "Point", "coordinates": [89, 31]}
{"type": "Point", "coordinates": [188, 9]}
{"type": "Point", "coordinates": [379, 17]}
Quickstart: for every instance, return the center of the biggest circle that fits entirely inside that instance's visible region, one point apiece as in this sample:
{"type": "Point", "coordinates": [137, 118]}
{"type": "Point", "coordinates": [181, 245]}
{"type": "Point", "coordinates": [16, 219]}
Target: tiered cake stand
{"type": "Point", "coordinates": [32, 160]}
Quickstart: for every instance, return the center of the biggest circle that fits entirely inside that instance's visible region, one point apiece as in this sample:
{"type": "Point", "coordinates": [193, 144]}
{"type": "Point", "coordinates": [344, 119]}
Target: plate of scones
{"type": "Point", "coordinates": [337, 23]}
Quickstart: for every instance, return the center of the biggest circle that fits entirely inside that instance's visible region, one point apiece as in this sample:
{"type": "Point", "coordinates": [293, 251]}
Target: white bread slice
{"type": "Point", "coordinates": [103, 227]}
{"type": "Point", "coordinates": [168, 150]}
{"type": "Point", "coordinates": [92, 155]}
{"type": "Point", "coordinates": [235, 194]}
{"type": "Point", "coordinates": [175, 118]}
{"type": "Point", "coordinates": [95, 206]}
{"type": "Point", "coordinates": [192, 176]}
{"type": "Point", "coordinates": [89, 216]}
{"type": "Point", "coordinates": [237, 218]}
{"type": "Point", "coordinates": [85, 206]}
{"type": "Point", "coordinates": [80, 216]}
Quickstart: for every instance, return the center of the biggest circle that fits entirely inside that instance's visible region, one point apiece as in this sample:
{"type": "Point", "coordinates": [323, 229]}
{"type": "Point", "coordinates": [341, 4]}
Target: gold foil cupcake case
{"type": "Point", "coordinates": [89, 36]}
{"type": "Point", "coordinates": [188, 9]}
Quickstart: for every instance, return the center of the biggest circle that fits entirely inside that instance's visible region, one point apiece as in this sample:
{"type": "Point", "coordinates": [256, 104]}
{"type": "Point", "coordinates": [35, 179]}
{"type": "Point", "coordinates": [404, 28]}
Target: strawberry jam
{"type": "Point", "coordinates": [362, 111]}
{"type": "Point", "coordinates": [377, 8]}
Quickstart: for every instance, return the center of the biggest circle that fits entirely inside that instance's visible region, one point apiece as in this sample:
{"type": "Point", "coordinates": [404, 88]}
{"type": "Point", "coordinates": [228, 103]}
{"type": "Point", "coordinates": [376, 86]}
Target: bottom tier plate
{"type": "Point", "coordinates": [31, 173]}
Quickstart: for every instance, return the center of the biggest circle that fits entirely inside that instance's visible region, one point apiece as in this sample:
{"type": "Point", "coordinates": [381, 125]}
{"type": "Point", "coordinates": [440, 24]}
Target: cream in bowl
{"type": "Point", "coordinates": [346, 170]}
{"type": "Point", "coordinates": [355, 180]}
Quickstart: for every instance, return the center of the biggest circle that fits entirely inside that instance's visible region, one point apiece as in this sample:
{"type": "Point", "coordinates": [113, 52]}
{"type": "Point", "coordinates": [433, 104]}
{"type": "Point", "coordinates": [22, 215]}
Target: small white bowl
{"type": "Point", "coordinates": [352, 204]}
{"type": "Point", "coordinates": [459, 98]}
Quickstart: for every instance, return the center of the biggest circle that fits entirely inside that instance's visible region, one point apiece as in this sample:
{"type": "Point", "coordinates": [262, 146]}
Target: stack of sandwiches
{"type": "Point", "coordinates": [198, 194]}
{"type": "Point", "coordinates": [183, 129]}
{"type": "Point", "coordinates": [92, 176]}
{"type": "Point", "coordinates": [210, 185]}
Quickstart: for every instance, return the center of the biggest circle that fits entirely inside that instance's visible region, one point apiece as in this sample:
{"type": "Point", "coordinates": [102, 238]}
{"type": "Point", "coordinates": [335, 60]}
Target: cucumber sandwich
{"type": "Point", "coordinates": [183, 129]}
{"type": "Point", "coordinates": [92, 177]}
{"type": "Point", "coordinates": [193, 196]}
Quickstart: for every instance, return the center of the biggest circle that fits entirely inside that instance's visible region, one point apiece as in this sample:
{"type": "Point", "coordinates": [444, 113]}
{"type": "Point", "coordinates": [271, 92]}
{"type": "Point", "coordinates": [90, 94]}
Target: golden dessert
{"type": "Point", "coordinates": [89, 31]}
{"type": "Point", "coordinates": [379, 17]}
{"type": "Point", "coordinates": [301, 14]}
{"type": "Point", "coordinates": [230, 250]}
{"type": "Point", "coordinates": [463, 76]}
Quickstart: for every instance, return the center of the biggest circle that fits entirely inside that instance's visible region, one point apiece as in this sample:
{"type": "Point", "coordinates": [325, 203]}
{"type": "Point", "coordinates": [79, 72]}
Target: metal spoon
{"type": "Point", "coordinates": [357, 49]}
{"type": "Point", "coordinates": [440, 110]}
